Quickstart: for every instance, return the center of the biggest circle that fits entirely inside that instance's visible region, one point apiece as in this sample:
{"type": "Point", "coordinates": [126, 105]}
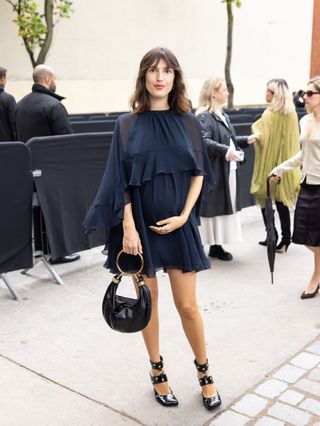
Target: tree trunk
{"type": "Point", "coordinates": [48, 14]}
{"type": "Point", "coordinates": [229, 54]}
{"type": "Point", "coordinates": [30, 52]}
{"type": "Point", "coordinates": [25, 39]}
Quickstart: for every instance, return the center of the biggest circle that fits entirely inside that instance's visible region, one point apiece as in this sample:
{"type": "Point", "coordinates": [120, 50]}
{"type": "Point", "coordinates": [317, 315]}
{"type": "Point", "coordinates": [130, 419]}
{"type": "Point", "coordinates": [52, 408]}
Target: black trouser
{"type": "Point", "coordinates": [284, 216]}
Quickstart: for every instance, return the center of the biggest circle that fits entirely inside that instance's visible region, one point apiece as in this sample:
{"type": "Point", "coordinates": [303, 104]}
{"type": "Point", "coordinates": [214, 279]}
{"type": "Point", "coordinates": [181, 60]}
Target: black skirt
{"type": "Point", "coordinates": [307, 216]}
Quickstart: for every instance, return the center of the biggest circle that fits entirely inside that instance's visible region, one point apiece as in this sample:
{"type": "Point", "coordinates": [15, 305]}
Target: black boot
{"type": "Point", "coordinates": [218, 252]}
{"type": "Point", "coordinates": [284, 216]}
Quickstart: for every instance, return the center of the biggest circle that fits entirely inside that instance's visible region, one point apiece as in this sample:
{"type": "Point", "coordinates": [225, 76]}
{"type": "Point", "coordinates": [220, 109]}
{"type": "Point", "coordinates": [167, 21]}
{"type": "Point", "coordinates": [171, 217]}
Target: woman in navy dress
{"type": "Point", "coordinates": [149, 200]}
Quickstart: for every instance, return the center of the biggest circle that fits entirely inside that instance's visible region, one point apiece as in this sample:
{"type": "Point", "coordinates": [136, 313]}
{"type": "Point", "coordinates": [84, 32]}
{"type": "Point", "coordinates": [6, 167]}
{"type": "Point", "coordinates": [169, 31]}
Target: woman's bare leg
{"type": "Point", "coordinates": [151, 334]}
{"type": "Point", "coordinates": [183, 286]}
{"type": "Point", "coordinates": [315, 279]}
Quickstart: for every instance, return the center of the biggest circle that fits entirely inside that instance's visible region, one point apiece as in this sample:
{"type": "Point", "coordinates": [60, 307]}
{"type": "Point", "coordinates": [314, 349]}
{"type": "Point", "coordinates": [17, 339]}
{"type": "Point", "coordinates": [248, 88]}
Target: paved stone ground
{"type": "Point", "coordinates": [289, 395]}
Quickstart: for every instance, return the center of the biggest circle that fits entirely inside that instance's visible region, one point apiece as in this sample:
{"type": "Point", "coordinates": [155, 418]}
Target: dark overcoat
{"type": "Point", "coordinates": [41, 113]}
{"type": "Point", "coordinates": [216, 137]}
{"type": "Point", "coordinates": [7, 122]}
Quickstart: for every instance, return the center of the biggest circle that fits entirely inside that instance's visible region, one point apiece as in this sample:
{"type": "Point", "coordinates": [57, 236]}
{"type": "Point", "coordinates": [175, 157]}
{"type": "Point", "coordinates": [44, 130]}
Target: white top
{"type": "Point", "coordinates": [308, 157]}
{"type": "Point", "coordinates": [233, 164]}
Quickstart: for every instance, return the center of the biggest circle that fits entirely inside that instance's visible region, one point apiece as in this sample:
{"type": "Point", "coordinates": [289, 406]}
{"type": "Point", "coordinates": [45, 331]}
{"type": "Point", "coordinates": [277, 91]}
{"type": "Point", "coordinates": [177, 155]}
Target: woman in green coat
{"type": "Point", "coordinates": [278, 140]}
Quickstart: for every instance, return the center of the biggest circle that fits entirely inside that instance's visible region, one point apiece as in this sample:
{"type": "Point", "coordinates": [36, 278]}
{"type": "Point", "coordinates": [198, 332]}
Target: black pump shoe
{"type": "Point", "coordinates": [168, 400]}
{"type": "Point", "coordinates": [305, 295]}
{"type": "Point", "coordinates": [282, 247]}
{"type": "Point", "coordinates": [210, 402]}
{"type": "Point", "coordinates": [265, 242]}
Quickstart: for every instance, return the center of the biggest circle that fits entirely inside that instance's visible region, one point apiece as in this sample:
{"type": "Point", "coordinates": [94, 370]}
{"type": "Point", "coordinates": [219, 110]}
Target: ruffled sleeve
{"type": "Point", "coordinates": [201, 156]}
{"type": "Point", "coordinates": [107, 208]}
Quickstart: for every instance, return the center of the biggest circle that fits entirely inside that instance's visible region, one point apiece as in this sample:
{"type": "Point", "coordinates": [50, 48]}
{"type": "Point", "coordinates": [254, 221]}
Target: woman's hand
{"type": "Point", "coordinates": [168, 225]}
{"type": "Point", "coordinates": [131, 243]}
{"type": "Point", "coordinates": [255, 137]}
{"type": "Point", "coordinates": [232, 155]}
{"type": "Point", "coordinates": [274, 177]}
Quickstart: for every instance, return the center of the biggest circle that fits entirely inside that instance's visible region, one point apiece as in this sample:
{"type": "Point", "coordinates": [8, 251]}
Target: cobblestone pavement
{"type": "Point", "coordinates": [289, 395]}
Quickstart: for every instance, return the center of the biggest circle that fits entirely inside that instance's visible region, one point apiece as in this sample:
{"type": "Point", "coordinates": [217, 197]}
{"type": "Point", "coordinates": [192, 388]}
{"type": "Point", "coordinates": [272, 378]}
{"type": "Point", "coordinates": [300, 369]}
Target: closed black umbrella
{"type": "Point", "coordinates": [271, 232]}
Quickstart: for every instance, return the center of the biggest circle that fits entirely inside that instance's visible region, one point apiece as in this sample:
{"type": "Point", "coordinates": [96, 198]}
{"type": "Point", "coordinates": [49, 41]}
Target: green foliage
{"type": "Point", "coordinates": [30, 23]}
{"type": "Point", "coordinates": [35, 22]}
{"type": "Point", "coordinates": [63, 8]}
{"type": "Point", "coordinates": [232, 2]}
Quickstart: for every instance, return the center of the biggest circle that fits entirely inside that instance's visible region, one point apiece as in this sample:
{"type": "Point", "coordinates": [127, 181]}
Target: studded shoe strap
{"type": "Point", "coordinates": [157, 365]}
{"type": "Point", "coordinates": [201, 367]}
{"type": "Point", "coordinates": [159, 379]}
{"type": "Point", "coordinates": [206, 380]}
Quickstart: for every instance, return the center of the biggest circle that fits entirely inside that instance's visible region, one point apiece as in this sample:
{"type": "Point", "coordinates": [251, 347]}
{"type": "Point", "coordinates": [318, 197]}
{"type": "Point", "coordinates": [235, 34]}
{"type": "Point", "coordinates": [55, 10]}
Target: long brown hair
{"type": "Point", "coordinates": [178, 100]}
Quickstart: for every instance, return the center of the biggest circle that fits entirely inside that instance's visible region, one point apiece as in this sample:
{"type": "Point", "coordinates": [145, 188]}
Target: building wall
{"type": "Point", "coordinates": [315, 57]}
{"type": "Point", "coordinates": [97, 52]}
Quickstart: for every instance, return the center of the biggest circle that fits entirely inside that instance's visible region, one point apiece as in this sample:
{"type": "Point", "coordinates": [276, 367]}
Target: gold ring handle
{"type": "Point", "coordinates": [127, 273]}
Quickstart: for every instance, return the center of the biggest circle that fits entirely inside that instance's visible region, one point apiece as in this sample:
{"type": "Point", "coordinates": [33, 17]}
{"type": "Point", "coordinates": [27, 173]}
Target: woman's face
{"type": "Point", "coordinates": [269, 95]}
{"type": "Point", "coordinates": [221, 95]}
{"type": "Point", "coordinates": [159, 80]}
{"type": "Point", "coordinates": [312, 101]}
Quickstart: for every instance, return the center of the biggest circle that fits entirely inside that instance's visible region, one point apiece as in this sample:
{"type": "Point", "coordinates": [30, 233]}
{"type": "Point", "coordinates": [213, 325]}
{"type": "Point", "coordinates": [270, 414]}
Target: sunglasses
{"type": "Point", "coordinates": [310, 93]}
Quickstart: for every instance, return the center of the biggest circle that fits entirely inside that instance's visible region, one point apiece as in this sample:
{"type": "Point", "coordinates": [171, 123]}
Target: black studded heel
{"type": "Point", "coordinates": [168, 400]}
{"type": "Point", "coordinates": [210, 402]}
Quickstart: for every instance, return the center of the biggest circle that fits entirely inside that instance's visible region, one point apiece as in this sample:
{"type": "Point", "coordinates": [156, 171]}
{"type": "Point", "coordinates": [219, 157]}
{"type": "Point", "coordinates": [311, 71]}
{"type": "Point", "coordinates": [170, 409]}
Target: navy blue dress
{"type": "Point", "coordinates": [153, 156]}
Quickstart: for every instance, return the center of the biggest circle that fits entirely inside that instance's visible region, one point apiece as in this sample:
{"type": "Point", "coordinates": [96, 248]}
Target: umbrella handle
{"type": "Point", "coordinates": [268, 185]}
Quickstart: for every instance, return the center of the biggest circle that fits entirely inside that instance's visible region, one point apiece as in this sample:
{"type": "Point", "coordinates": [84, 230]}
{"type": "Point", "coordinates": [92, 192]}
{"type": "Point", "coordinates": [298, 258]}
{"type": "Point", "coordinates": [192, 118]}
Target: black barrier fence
{"type": "Point", "coordinates": [67, 171]}
{"type": "Point", "coordinates": [93, 126]}
{"type": "Point", "coordinates": [241, 118]}
{"type": "Point", "coordinates": [71, 169]}
{"type": "Point", "coordinates": [16, 207]}
{"type": "Point", "coordinates": [245, 170]}
{"type": "Point", "coordinates": [242, 129]}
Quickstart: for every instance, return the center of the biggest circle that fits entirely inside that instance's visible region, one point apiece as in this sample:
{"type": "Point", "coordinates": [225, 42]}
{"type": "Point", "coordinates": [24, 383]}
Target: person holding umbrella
{"type": "Point", "coordinates": [307, 212]}
{"type": "Point", "coordinates": [278, 140]}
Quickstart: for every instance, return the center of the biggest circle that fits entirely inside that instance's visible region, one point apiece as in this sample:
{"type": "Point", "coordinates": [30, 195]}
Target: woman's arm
{"type": "Point", "coordinates": [242, 141]}
{"type": "Point", "coordinates": [214, 148]}
{"type": "Point", "coordinates": [168, 225]}
{"type": "Point", "coordinates": [131, 243]}
{"type": "Point", "coordinates": [290, 164]}
{"type": "Point", "coordinates": [253, 138]}
{"type": "Point", "coordinates": [193, 195]}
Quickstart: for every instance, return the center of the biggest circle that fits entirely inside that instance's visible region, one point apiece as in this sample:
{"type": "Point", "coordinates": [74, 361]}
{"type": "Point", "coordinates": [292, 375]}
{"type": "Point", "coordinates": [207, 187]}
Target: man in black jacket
{"type": "Point", "coordinates": [41, 113]}
{"type": "Point", "coordinates": [7, 107]}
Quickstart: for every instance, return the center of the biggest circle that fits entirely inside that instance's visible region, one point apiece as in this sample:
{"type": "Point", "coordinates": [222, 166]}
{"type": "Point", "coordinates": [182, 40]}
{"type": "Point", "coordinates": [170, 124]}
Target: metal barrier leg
{"type": "Point", "coordinates": [38, 255]}
{"type": "Point", "coordinates": [35, 261]}
{"type": "Point", "coordinates": [10, 287]}
{"type": "Point", "coordinates": [52, 271]}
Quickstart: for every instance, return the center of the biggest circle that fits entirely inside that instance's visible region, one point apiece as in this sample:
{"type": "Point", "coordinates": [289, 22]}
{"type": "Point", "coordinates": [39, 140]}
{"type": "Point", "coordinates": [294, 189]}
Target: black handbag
{"type": "Point", "coordinates": [123, 313]}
